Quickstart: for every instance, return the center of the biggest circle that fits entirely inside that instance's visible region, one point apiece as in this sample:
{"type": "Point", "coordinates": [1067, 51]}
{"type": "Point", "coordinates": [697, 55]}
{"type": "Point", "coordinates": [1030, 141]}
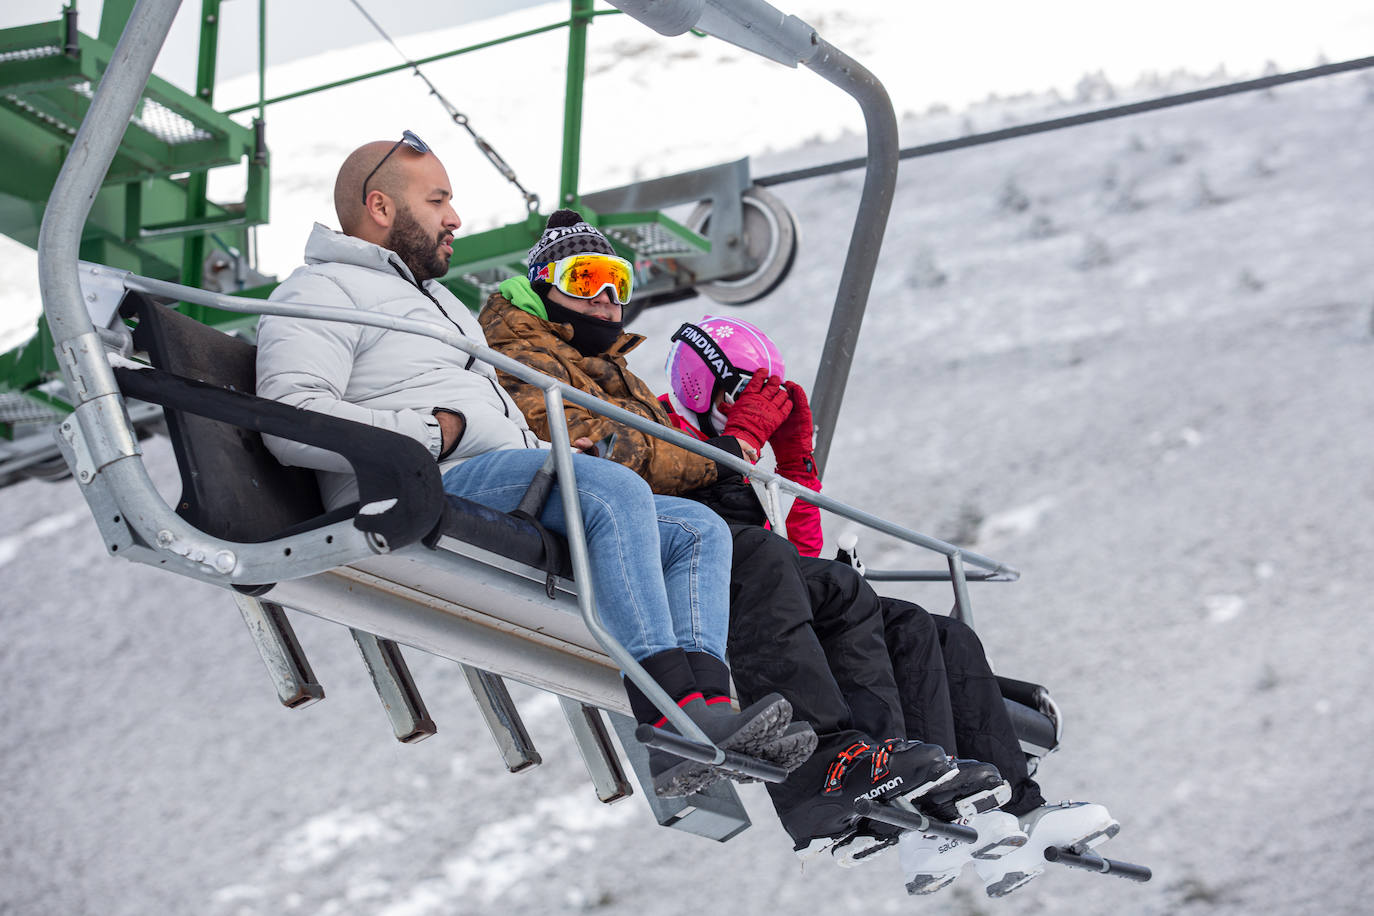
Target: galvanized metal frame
{"type": "Point", "coordinates": [246, 559]}
{"type": "Point", "coordinates": [390, 675]}
{"type": "Point", "coordinates": [100, 443]}
{"type": "Point", "coordinates": [502, 719]}
{"type": "Point", "coordinates": [759, 27]}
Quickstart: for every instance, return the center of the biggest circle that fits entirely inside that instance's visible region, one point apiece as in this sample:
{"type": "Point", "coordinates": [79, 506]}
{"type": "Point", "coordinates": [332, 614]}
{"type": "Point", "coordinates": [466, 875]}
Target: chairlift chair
{"type": "Point", "coordinates": [407, 565]}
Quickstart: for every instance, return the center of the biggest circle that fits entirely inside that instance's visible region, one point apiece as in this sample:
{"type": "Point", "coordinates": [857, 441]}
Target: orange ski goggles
{"type": "Point", "coordinates": [584, 276]}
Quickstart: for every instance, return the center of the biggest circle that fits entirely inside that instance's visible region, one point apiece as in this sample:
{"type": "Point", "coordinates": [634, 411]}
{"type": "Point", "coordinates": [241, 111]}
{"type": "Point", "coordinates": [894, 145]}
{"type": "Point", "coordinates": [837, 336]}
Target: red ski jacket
{"type": "Point", "coordinates": [803, 520]}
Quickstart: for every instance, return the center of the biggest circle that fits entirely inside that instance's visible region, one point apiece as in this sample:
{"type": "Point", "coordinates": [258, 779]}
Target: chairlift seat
{"type": "Point", "coordinates": [233, 488]}
{"type": "Point", "coordinates": [1034, 717]}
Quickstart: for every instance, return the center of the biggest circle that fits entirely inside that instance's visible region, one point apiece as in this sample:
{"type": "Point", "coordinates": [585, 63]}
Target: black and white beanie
{"type": "Point", "coordinates": [566, 233]}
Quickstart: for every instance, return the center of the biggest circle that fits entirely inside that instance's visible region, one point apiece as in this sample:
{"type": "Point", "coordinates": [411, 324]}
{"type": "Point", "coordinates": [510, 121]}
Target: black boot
{"type": "Point", "coordinates": [729, 730]}
{"type": "Point", "coordinates": [977, 788]}
{"type": "Point", "coordinates": [886, 771]}
{"type": "Point", "coordinates": [788, 749]}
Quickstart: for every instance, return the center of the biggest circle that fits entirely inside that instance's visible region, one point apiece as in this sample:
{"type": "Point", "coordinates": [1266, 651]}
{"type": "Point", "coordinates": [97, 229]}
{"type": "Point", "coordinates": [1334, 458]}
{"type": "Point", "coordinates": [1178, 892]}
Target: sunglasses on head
{"type": "Point", "coordinates": [410, 140]}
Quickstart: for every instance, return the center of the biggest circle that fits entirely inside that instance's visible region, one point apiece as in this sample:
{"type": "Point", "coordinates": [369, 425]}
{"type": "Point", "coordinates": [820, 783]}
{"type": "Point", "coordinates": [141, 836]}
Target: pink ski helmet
{"type": "Point", "coordinates": [718, 354]}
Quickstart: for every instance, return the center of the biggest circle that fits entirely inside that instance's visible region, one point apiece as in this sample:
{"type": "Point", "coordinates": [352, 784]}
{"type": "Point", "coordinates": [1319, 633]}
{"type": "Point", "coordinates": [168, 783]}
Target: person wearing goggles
{"type": "Point", "coordinates": [667, 604]}
{"type": "Point", "coordinates": [586, 276]}
{"type": "Point", "coordinates": [790, 614]}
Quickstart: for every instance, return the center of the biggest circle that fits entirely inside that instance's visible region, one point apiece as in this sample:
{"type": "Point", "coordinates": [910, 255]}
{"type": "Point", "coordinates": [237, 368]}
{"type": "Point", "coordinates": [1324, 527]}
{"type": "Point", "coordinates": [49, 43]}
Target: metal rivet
{"type": "Point", "coordinates": [225, 561]}
{"type": "Point", "coordinates": [165, 538]}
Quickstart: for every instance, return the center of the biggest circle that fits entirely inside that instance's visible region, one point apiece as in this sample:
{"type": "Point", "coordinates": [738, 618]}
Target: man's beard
{"type": "Point", "coordinates": [417, 249]}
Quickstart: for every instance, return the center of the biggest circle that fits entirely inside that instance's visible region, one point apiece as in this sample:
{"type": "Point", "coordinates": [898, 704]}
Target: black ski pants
{"type": "Point", "coordinates": [860, 667]}
{"type": "Point", "coordinates": [970, 720]}
{"type": "Point", "coordinates": [811, 630]}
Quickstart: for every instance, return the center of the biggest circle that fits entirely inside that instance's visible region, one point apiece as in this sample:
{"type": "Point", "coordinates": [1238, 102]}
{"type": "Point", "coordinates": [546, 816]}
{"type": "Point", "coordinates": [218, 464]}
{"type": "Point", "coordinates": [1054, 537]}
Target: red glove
{"type": "Point", "coordinates": [794, 439]}
{"type": "Point", "coordinates": [761, 406]}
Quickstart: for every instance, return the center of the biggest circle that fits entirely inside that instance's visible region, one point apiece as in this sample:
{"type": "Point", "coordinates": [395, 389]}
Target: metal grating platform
{"type": "Point", "coordinates": [651, 241]}
{"type": "Point", "coordinates": [15, 409]}
{"type": "Point", "coordinates": [30, 53]}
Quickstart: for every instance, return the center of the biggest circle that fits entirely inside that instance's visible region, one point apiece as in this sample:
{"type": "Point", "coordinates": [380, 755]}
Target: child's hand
{"type": "Point", "coordinates": [758, 412]}
{"type": "Point", "coordinates": [794, 439]}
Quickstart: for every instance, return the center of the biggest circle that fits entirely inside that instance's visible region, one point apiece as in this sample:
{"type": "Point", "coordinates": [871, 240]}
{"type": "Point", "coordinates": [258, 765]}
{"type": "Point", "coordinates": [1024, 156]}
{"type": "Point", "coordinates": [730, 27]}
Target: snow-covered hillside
{"type": "Point", "coordinates": [1133, 360]}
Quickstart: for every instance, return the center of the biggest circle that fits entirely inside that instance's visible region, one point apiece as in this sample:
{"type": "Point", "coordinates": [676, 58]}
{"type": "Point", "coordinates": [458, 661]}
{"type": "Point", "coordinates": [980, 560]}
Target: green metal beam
{"type": "Point", "coordinates": [198, 184]}
{"type": "Point", "coordinates": [673, 227]}
{"type": "Point", "coordinates": [572, 102]}
{"type": "Point", "coordinates": [114, 15]}
{"type": "Point", "coordinates": [495, 247]}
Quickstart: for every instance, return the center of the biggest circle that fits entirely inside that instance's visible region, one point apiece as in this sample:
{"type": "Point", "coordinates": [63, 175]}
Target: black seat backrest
{"type": "Point", "coordinates": [234, 489]}
{"type": "Point", "coordinates": [231, 486]}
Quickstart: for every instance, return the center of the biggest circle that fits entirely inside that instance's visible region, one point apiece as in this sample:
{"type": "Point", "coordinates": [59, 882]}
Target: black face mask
{"type": "Point", "coordinates": [591, 336]}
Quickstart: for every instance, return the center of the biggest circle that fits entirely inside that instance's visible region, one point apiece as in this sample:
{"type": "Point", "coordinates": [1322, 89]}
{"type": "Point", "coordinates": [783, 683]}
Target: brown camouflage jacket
{"type": "Point", "coordinates": [545, 346]}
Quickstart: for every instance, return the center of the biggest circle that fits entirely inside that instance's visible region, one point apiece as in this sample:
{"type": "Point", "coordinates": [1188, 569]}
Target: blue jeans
{"type": "Point", "coordinates": [660, 565]}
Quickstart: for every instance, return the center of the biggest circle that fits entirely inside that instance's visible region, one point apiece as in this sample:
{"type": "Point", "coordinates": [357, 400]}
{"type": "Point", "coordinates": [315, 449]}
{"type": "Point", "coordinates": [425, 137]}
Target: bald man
{"type": "Point", "coordinates": [395, 206]}
{"type": "Point", "coordinates": [660, 565]}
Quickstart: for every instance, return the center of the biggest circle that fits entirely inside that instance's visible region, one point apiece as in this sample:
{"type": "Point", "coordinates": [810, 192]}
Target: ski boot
{"type": "Point", "coordinates": [1076, 825]}
{"type": "Point", "coordinates": [931, 862]}
{"type": "Point", "coordinates": [979, 787]}
{"type": "Point", "coordinates": [976, 787]}
{"type": "Point", "coordinates": [893, 771]}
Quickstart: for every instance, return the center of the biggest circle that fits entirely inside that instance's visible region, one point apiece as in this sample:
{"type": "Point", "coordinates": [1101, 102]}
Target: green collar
{"type": "Point", "coordinates": [523, 297]}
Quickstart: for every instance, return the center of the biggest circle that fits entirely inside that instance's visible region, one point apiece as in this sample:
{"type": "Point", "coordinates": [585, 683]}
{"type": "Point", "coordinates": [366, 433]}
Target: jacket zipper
{"type": "Point", "coordinates": [396, 267]}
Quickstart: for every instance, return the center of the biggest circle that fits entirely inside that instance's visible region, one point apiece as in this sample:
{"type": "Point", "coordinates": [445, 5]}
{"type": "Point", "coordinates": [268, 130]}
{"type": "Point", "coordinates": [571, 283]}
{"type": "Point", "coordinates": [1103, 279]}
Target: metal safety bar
{"type": "Point", "coordinates": [175, 291]}
{"type": "Point", "coordinates": [707, 752]}
{"type": "Point", "coordinates": [555, 393]}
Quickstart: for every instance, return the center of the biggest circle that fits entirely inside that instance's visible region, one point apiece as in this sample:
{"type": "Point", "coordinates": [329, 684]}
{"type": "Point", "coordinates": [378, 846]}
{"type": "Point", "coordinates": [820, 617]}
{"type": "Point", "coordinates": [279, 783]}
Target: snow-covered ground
{"type": "Point", "coordinates": [1132, 360]}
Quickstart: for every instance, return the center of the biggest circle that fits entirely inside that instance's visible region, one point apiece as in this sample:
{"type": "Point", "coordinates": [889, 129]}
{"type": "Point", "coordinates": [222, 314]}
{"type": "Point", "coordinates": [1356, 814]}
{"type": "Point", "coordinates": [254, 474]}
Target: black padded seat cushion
{"type": "Point", "coordinates": [1022, 699]}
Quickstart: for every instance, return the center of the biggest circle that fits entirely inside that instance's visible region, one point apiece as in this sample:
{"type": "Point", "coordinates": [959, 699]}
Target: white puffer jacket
{"type": "Point", "coordinates": [388, 379]}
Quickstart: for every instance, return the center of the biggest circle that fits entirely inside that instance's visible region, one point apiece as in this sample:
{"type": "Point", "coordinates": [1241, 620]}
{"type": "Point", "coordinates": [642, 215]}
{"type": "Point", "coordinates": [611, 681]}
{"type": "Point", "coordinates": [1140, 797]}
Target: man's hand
{"type": "Point", "coordinates": [761, 407]}
{"type": "Point", "coordinates": [451, 426]}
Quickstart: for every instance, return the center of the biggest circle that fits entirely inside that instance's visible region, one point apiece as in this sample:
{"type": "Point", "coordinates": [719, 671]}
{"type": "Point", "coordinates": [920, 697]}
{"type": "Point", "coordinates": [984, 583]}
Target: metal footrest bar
{"type": "Point", "coordinates": [715, 812]}
{"type": "Point", "coordinates": [280, 651]}
{"type": "Point", "coordinates": [503, 719]}
{"type": "Point", "coordinates": [912, 820]}
{"type": "Point", "coordinates": [1091, 862]}
{"type": "Point", "coordinates": [707, 753]}
{"type": "Point", "coordinates": [395, 687]}
{"type": "Point", "coordinates": [594, 744]}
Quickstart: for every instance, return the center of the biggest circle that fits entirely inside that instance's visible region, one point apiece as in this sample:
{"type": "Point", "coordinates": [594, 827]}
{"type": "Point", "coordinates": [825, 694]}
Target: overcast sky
{"type": "Point", "coordinates": [1094, 34]}
{"type": "Point", "coordinates": [311, 25]}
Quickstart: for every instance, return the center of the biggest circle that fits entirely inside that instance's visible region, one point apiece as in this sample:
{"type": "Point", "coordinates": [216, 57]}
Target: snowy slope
{"type": "Point", "coordinates": [1134, 360]}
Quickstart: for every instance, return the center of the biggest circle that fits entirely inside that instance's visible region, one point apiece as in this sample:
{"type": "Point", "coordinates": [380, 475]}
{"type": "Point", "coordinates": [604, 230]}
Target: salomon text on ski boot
{"type": "Point", "coordinates": [893, 771]}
